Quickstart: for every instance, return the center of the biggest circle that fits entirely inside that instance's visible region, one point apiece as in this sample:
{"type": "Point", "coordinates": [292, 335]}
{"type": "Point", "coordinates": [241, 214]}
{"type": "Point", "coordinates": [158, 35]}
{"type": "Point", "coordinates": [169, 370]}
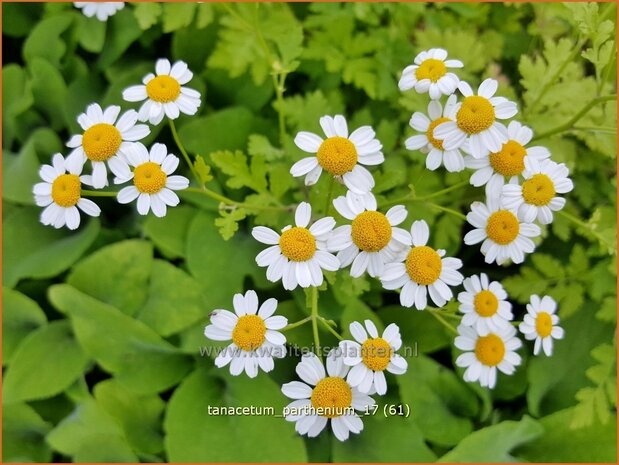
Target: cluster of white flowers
{"type": "Point", "coordinates": [100, 10]}
{"type": "Point", "coordinates": [110, 140]}
{"type": "Point", "coordinates": [371, 241]}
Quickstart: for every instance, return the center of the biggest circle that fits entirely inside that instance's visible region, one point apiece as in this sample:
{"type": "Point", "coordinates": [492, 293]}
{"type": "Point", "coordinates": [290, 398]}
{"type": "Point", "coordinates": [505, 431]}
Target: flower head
{"type": "Point", "coordinates": [151, 173]}
{"type": "Point", "coordinates": [424, 270]}
{"type": "Point", "coordinates": [61, 195]}
{"type": "Point", "coordinates": [541, 324]}
{"type": "Point", "coordinates": [371, 240]}
{"type": "Point", "coordinates": [370, 356]}
{"type": "Point", "coordinates": [476, 121]}
{"type": "Point", "coordinates": [484, 304]}
{"type": "Point", "coordinates": [504, 236]}
{"type": "Point", "coordinates": [429, 73]}
{"type": "Point", "coordinates": [253, 332]}
{"type": "Point", "coordinates": [508, 164]}
{"type": "Point", "coordinates": [325, 396]}
{"type": "Point", "coordinates": [536, 198]}
{"type": "Point", "coordinates": [426, 143]}
{"type": "Point", "coordinates": [485, 353]}
{"type": "Point", "coordinates": [102, 10]}
{"type": "Point", "coordinates": [103, 139]}
{"type": "Point", "coordinates": [298, 255]}
{"type": "Point", "coordinates": [340, 154]}
{"type": "Point", "coordinates": [165, 93]}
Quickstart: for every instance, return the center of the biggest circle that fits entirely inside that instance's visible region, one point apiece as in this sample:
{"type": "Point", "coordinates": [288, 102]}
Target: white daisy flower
{"type": "Point", "coordinates": [476, 121]}
{"type": "Point", "coordinates": [103, 139]}
{"type": "Point", "coordinates": [504, 236]}
{"type": "Point", "coordinates": [253, 332]}
{"type": "Point", "coordinates": [165, 93]}
{"type": "Point", "coordinates": [536, 197]}
{"type": "Point", "coordinates": [484, 304]}
{"type": "Point", "coordinates": [424, 270]}
{"type": "Point", "coordinates": [370, 356]}
{"type": "Point", "coordinates": [426, 143]}
{"type": "Point", "coordinates": [321, 398]}
{"type": "Point", "coordinates": [541, 324]}
{"type": "Point", "coordinates": [153, 183]}
{"type": "Point", "coordinates": [61, 195]}
{"type": "Point", "coordinates": [102, 10]}
{"type": "Point", "coordinates": [507, 164]}
{"type": "Point", "coordinates": [339, 154]}
{"type": "Point", "coordinates": [428, 73]}
{"type": "Point", "coordinates": [372, 239]}
{"type": "Point", "coordinates": [299, 254]}
{"type": "Point", "coordinates": [485, 353]}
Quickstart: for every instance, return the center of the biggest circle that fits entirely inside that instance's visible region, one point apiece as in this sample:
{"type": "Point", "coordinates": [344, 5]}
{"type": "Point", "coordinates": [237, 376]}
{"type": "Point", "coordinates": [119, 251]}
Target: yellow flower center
{"type": "Point", "coordinates": [430, 132]}
{"type": "Point", "coordinates": [249, 332]}
{"type": "Point", "coordinates": [376, 353]}
{"type": "Point", "coordinates": [486, 303]}
{"type": "Point", "coordinates": [538, 190]}
{"type": "Point", "coordinates": [149, 178]}
{"type": "Point", "coordinates": [423, 265]}
{"type": "Point", "coordinates": [490, 350]}
{"type": "Point", "coordinates": [337, 155]}
{"type": "Point", "coordinates": [510, 160]}
{"type": "Point", "coordinates": [503, 227]}
{"type": "Point", "coordinates": [101, 141]}
{"type": "Point", "coordinates": [297, 244]}
{"type": "Point", "coordinates": [163, 89]}
{"type": "Point", "coordinates": [543, 324]}
{"type": "Point", "coordinates": [475, 115]}
{"type": "Point", "coordinates": [332, 397]}
{"type": "Point", "coordinates": [431, 69]}
{"type": "Point", "coordinates": [66, 190]}
{"type": "Point", "coordinates": [371, 231]}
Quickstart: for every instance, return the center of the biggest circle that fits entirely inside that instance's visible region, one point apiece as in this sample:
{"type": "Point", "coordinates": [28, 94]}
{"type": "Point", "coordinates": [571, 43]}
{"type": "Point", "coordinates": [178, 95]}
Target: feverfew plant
{"type": "Point", "coordinates": [350, 220]}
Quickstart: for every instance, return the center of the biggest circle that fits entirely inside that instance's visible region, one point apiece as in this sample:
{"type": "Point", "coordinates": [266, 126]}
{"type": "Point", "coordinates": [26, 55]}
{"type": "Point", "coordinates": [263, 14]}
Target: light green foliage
{"type": "Point", "coordinates": [104, 326]}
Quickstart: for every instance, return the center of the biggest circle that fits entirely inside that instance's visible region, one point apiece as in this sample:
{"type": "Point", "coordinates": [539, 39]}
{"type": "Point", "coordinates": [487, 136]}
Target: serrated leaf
{"type": "Point", "coordinates": [241, 171]}
{"type": "Point", "coordinates": [147, 14]}
{"type": "Point", "coordinates": [203, 170]}
{"type": "Point", "coordinates": [177, 15]}
{"type": "Point", "coordinates": [228, 222]}
{"type": "Point", "coordinates": [260, 145]}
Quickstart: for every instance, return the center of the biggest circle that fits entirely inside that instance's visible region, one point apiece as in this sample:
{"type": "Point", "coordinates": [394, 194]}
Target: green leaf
{"type": "Point", "coordinates": [45, 40]}
{"type": "Point", "coordinates": [203, 170]}
{"type": "Point", "coordinates": [177, 15]}
{"type": "Point", "coordinates": [19, 174]}
{"type": "Point", "coordinates": [117, 274]}
{"type": "Point", "coordinates": [438, 400]}
{"type": "Point", "coordinates": [147, 14]}
{"type": "Point", "coordinates": [123, 30]}
{"type": "Point", "coordinates": [240, 172]}
{"type": "Point", "coordinates": [47, 362]}
{"type": "Point", "coordinates": [16, 99]}
{"type": "Point", "coordinates": [594, 443]}
{"type": "Point", "coordinates": [91, 34]}
{"type": "Point", "coordinates": [394, 439]}
{"type": "Point", "coordinates": [49, 90]}
{"type": "Point", "coordinates": [20, 316]}
{"type": "Point", "coordinates": [494, 443]}
{"type": "Point", "coordinates": [194, 434]}
{"type": "Point", "coordinates": [205, 15]}
{"type": "Point", "coordinates": [228, 222]}
{"type": "Point", "coordinates": [139, 416]}
{"type": "Point", "coordinates": [31, 250]}
{"type": "Point", "coordinates": [221, 266]}
{"type": "Point", "coordinates": [23, 433]}
{"type": "Point", "coordinates": [169, 233]}
{"type": "Point", "coordinates": [261, 146]}
{"type": "Point", "coordinates": [175, 300]}
{"type": "Point", "coordinates": [140, 359]}
{"type": "Point", "coordinates": [211, 133]}
{"type": "Point", "coordinates": [90, 434]}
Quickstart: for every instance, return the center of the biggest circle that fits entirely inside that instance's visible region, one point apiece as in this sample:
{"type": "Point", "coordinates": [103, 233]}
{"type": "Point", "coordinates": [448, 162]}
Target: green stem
{"type": "Point", "coordinates": [568, 124]}
{"type": "Point", "coordinates": [87, 193]}
{"type": "Point", "coordinates": [331, 330]}
{"type": "Point", "coordinates": [447, 210]}
{"type": "Point", "coordinates": [329, 196]}
{"type": "Point", "coordinates": [600, 129]}
{"type": "Point", "coordinates": [225, 200]}
{"type": "Point", "coordinates": [296, 324]}
{"type": "Point", "coordinates": [314, 317]}
{"type": "Point", "coordinates": [181, 147]}
{"type": "Point", "coordinates": [583, 224]}
{"type": "Point", "coordinates": [436, 314]}
{"type": "Point", "coordinates": [412, 198]}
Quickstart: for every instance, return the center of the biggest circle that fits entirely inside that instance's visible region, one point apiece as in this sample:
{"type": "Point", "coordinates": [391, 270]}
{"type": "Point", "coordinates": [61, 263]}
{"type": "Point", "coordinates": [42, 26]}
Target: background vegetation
{"type": "Point", "coordinates": [102, 327]}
